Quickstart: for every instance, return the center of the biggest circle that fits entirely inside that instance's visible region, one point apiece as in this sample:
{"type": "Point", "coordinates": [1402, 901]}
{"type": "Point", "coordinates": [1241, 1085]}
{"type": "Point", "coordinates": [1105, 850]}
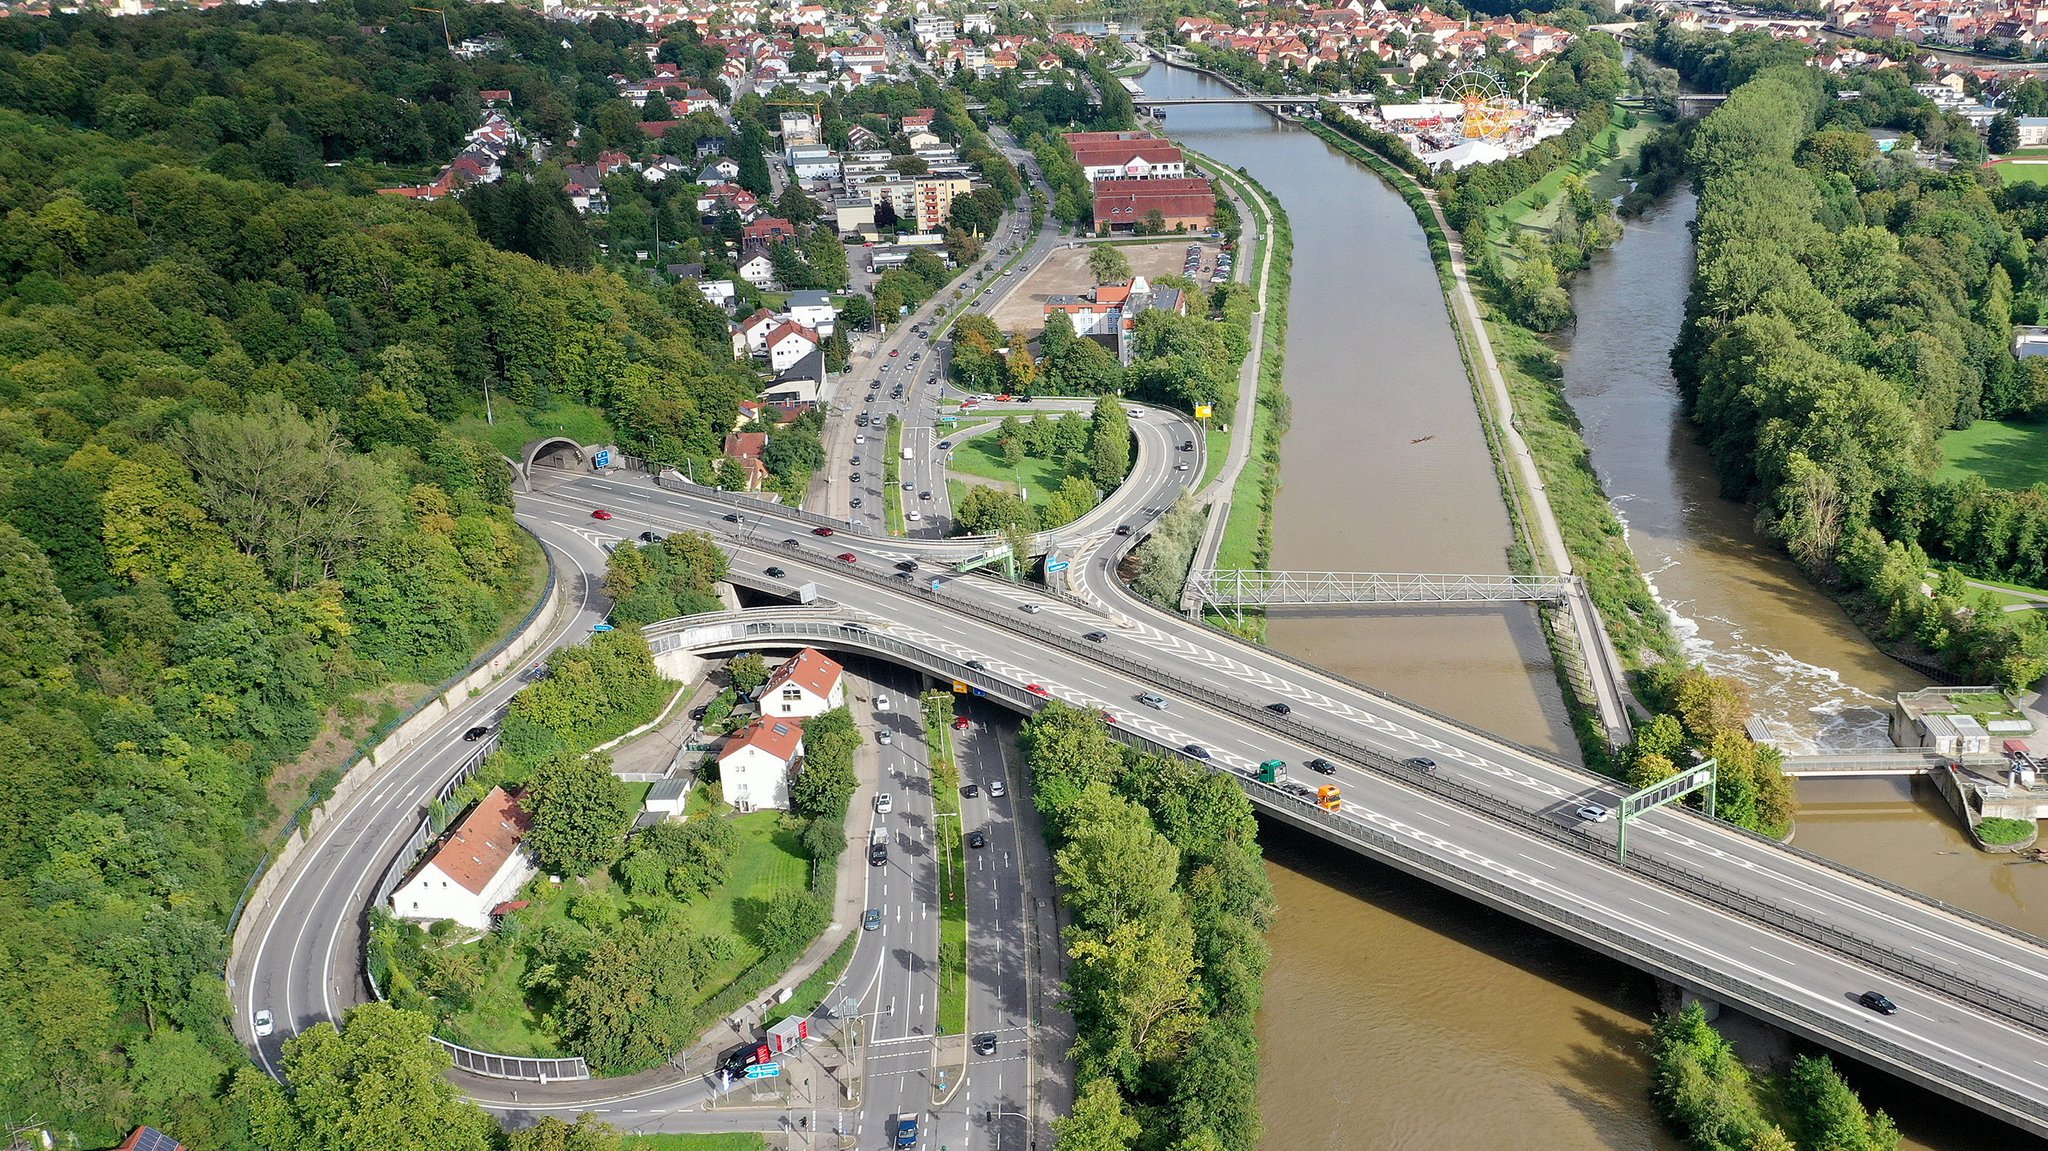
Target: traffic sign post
{"type": "Point", "coordinates": [603, 459]}
{"type": "Point", "coordinates": [1056, 565]}
{"type": "Point", "coordinates": [764, 1071]}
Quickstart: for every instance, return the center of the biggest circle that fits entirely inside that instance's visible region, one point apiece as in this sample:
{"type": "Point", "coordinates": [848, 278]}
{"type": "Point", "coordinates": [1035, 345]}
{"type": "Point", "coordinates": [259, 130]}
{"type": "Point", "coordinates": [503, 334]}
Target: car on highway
{"type": "Point", "coordinates": [1035, 689]}
{"type": "Point", "coordinates": [848, 558]}
{"type": "Point", "coordinates": [1109, 716]}
{"type": "Point", "coordinates": [1123, 529]}
{"type": "Point", "coordinates": [854, 478]}
{"type": "Point", "coordinates": [1593, 813]}
{"type": "Point", "coordinates": [1030, 609]}
{"type": "Point", "coordinates": [945, 444]}
{"type": "Point", "coordinates": [924, 496]}
{"type": "Point", "coordinates": [977, 665]}
{"type": "Point", "coordinates": [649, 538]}
{"type": "Point", "coordinates": [1278, 708]}
{"type": "Point", "coordinates": [985, 1044]}
{"type": "Point", "coordinates": [860, 439]}
{"type": "Point", "coordinates": [1878, 1002]}
{"type": "Point", "coordinates": [821, 531]}
{"type": "Point", "coordinates": [871, 919]}
{"type": "Point", "coordinates": [909, 485]}
{"type": "Point", "coordinates": [998, 789]}
{"type": "Point", "coordinates": [1420, 763]}
{"type": "Point", "coordinates": [878, 848]}
{"type": "Point", "coordinates": [476, 733]}
{"type": "Point", "coordinates": [792, 542]}
{"type": "Point", "coordinates": [854, 502]}
{"type": "Point", "coordinates": [977, 840]}
{"type": "Point", "coordinates": [600, 627]}
{"type": "Point", "coordinates": [906, 565]}
{"type": "Point", "coordinates": [884, 737]}
{"type": "Point", "coordinates": [970, 790]}
{"type": "Point", "coordinates": [1180, 467]}
{"type": "Point", "coordinates": [1187, 445]}
{"type": "Point", "coordinates": [855, 461]}
{"type": "Point", "coordinates": [1322, 766]}
{"type": "Point", "coordinates": [881, 703]}
{"type": "Point", "coordinates": [895, 352]}
{"type": "Point", "coordinates": [774, 573]}
{"type": "Point", "coordinates": [600, 514]}
{"type": "Point", "coordinates": [905, 1127]}
{"type": "Point", "coordinates": [1096, 636]}
{"type": "Point", "coordinates": [731, 518]}
{"type": "Point", "coordinates": [265, 1023]}
{"type": "Point", "coordinates": [1195, 751]}
{"type": "Point", "coordinates": [1155, 702]}
{"type": "Point", "coordinates": [885, 803]}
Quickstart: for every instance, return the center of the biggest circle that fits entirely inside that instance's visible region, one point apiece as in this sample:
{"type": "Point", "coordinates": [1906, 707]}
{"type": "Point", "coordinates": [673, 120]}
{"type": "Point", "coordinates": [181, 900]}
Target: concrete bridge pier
{"type": "Point", "coordinates": [1687, 997]}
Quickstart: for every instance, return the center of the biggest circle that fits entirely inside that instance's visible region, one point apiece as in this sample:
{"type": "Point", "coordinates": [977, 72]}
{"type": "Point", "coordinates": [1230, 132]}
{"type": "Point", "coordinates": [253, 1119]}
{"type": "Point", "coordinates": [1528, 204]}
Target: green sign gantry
{"type": "Point", "coordinates": [1699, 778]}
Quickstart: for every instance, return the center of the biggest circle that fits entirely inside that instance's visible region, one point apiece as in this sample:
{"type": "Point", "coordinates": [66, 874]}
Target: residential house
{"type": "Point", "coordinates": [1109, 313]}
{"type": "Point", "coordinates": [478, 866]}
{"type": "Point", "coordinates": [755, 328]}
{"type": "Point", "coordinates": [790, 342]}
{"type": "Point", "coordinates": [766, 230]}
{"type": "Point", "coordinates": [719, 293]}
{"type": "Point", "coordinates": [757, 269]}
{"type": "Point", "coordinates": [758, 762]}
{"type": "Point", "coordinates": [1181, 204]}
{"type": "Point", "coordinates": [723, 170]}
{"type": "Point", "coordinates": [1126, 158]}
{"type": "Point", "coordinates": [808, 683]}
{"type": "Point", "coordinates": [814, 310]}
{"type": "Point", "coordinates": [744, 450]}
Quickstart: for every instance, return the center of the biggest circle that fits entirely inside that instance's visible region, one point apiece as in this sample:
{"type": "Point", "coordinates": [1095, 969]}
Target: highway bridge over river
{"type": "Point", "coordinates": [1726, 915]}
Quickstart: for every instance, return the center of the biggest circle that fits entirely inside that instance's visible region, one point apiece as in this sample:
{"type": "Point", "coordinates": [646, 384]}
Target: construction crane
{"type": "Point", "coordinates": [444, 25]}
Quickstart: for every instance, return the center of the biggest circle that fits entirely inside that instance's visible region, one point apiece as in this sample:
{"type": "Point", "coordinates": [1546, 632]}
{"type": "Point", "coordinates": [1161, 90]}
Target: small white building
{"type": "Point", "coordinates": [667, 797]}
{"type": "Point", "coordinates": [758, 270]}
{"type": "Point", "coordinates": [758, 761]}
{"type": "Point", "coordinates": [813, 310]}
{"type": "Point", "coordinates": [789, 343]}
{"type": "Point", "coordinates": [718, 293]}
{"type": "Point", "coordinates": [807, 684]}
{"type": "Point", "coordinates": [479, 866]}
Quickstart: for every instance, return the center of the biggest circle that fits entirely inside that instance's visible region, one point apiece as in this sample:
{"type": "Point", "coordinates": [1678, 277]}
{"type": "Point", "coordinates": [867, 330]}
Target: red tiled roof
{"type": "Point", "coordinates": [745, 445]}
{"type": "Point", "coordinates": [778, 737]}
{"type": "Point", "coordinates": [1130, 201]}
{"type": "Point", "coordinates": [792, 328]}
{"type": "Point", "coordinates": [486, 838]}
{"type": "Point", "coordinates": [808, 669]}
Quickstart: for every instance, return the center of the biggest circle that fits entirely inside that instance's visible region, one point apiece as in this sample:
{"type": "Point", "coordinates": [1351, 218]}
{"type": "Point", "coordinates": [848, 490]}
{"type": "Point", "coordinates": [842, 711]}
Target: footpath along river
{"type": "Point", "coordinates": [1398, 1016]}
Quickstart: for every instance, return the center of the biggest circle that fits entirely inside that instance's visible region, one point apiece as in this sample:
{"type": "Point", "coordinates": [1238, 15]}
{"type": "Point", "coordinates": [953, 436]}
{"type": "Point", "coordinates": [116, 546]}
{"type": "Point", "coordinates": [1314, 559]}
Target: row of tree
{"type": "Point", "coordinates": [1849, 308]}
{"type": "Point", "coordinates": [1159, 868]}
{"type": "Point", "coordinates": [1704, 1092]}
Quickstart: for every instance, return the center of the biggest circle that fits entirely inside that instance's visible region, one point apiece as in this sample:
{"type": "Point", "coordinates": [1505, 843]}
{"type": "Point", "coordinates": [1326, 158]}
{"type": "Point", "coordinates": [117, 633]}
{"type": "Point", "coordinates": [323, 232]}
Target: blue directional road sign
{"type": "Point", "coordinates": [603, 459]}
{"type": "Point", "coordinates": [764, 1071]}
{"type": "Point", "coordinates": [1055, 565]}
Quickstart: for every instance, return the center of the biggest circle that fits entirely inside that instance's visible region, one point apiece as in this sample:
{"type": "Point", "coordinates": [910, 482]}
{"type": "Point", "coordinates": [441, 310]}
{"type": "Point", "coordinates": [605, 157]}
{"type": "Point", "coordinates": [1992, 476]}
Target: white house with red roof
{"type": "Point", "coordinates": [807, 684]}
{"type": "Point", "coordinates": [479, 866]}
{"type": "Point", "coordinates": [758, 762]}
{"type": "Point", "coordinates": [755, 328]}
{"type": "Point", "coordinates": [790, 342]}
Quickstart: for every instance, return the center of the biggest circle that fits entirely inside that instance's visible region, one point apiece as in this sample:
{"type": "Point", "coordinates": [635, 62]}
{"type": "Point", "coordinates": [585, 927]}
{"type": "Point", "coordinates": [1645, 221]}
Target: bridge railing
{"type": "Point", "coordinates": [1663, 871]}
{"type": "Point", "coordinates": [1227, 587]}
{"type": "Point", "coordinates": [514, 1066]}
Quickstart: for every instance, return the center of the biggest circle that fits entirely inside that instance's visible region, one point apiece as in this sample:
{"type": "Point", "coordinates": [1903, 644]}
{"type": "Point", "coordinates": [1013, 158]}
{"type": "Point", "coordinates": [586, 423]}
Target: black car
{"type": "Point", "coordinates": [1323, 766]}
{"type": "Point", "coordinates": [1096, 636]}
{"type": "Point", "coordinates": [1195, 751]}
{"type": "Point", "coordinates": [970, 790]}
{"type": "Point", "coordinates": [906, 565]}
{"type": "Point", "coordinates": [977, 840]}
{"type": "Point", "coordinates": [977, 665]}
{"type": "Point", "coordinates": [791, 543]}
{"type": "Point", "coordinates": [1877, 1002]}
{"type": "Point", "coordinates": [985, 1044]}
{"type": "Point", "coordinates": [649, 538]}
{"type": "Point", "coordinates": [1187, 445]}
{"type": "Point", "coordinates": [475, 733]}
{"type": "Point", "coordinates": [732, 518]}
{"type": "Point", "coordinates": [944, 444]}
{"type": "Point", "coordinates": [1123, 529]}
{"type": "Point", "coordinates": [775, 573]}
{"type": "Point", "coordinates": [1420, 763]}
{"type": "Point", "coordinates": [699, 712]}
{"type": "Point", "coordinates": [878, 853]}
{"type": "Point", "coordinates": [1278, 708]}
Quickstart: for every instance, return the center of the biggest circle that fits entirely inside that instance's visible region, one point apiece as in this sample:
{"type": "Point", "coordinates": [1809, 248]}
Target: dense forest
{"type": "Point", "coordinates": [232, 510]}
{"type": "Point", "coordinates": [1851, 306]}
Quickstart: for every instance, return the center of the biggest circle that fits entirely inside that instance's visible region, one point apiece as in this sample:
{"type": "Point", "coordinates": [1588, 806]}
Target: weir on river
{"type": "Point", "coordinates": [1393, 1008]}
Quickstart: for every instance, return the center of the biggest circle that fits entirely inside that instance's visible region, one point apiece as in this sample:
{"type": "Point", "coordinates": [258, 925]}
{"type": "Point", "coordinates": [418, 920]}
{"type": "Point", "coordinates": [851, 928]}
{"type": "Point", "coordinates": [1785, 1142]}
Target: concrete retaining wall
{"type": "Point", "coordinates": [511, 655]}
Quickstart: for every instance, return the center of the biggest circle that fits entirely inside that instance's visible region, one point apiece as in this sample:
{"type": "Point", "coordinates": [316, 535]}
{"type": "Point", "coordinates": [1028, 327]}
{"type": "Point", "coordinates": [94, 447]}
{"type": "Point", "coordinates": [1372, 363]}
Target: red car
{"type": "Point", "coordinates": [960, 723]}
{"type": "Point", "coordinates": [1109, 717]}
{"type": "Point", "coordinates": [1034, 689]}
{"type": "Point", "coordinates": [1004, 398]}
{"type": "Point", "coordinates": [600, 514]}
{"type": "Point", "coordinates": [895, 352]}
{"type": "Point", "coordinates": [821, 531]}
{"type": "Point", "coordinates": [848, 557]}
{"type": "Point", "coordinates": [970, 403]}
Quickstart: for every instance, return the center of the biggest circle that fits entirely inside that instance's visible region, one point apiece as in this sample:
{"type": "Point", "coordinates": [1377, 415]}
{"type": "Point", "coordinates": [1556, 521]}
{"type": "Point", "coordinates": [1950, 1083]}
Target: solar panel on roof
{"type": "Point", "coordinates": [151, 1139]}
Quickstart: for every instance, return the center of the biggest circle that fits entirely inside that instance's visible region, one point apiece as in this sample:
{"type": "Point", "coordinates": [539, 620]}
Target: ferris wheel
{"type": "Point", "coordinates": [1490, 112]}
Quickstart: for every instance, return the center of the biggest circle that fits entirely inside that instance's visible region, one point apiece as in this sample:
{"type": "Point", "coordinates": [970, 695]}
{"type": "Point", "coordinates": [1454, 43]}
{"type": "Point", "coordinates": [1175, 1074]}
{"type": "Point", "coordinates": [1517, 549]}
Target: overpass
{"type": "Point", "coordinates": [1730, 916]}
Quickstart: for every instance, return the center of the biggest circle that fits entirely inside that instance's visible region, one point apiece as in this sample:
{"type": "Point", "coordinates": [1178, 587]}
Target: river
{"type": "Point", "coordinates": [1398, 1016]}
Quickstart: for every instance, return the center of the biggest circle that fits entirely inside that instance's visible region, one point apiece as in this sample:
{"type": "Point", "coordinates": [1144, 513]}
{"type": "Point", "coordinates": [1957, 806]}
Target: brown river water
{"type": "Point", "coordinates": [1398, 1016]}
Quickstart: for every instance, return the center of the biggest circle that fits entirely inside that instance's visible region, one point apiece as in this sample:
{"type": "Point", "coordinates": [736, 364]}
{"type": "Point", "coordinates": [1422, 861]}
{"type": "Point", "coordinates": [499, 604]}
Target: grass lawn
{"type": "Point", "coordinates": [2007, 453]}
{"type": "Point", "coordinates": [2021, 173]}
{"type": "Point", "coordinates": [768, 862]}
{"type": "Point", "coordinates": [1602, 161]}
{"type": "Point", "coordinates": [722, 1141]}
{"type": "Point", "coordinates": [892, 475]}
{"type": "Point", "coordinates": [1984, 706]}
{"type": "Point", "coordinates": [515, 429]}
{"type": "Point", "coordinates": [2012, 592]}
{"type": "Point", "coordinates": [1240, 546]}
{"type": "Point", "coordinates": [1218, 444]}
{"type": "Point", "coordinates": [981, 457]}
{"type": "Point", "coordinates": [945, 770]}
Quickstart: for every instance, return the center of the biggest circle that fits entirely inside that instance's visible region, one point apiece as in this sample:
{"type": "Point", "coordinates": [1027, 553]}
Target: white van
{"type": "Point", "coordinates": [906, 453]}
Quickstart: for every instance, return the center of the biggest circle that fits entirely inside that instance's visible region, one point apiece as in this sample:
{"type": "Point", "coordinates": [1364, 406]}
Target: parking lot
{"type": "Point", "coordinates": [1065, 272]}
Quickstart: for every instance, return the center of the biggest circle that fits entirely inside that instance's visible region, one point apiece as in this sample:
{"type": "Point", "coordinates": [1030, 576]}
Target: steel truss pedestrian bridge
{"type": "Point", "coordinates": [1239, 588]}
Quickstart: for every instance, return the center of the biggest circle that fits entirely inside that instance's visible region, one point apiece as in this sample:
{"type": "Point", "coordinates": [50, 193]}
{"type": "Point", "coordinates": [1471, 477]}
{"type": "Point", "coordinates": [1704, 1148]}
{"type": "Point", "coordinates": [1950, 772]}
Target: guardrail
{"type": "Point", "coordinates": [1644, 862]}
{"type": "Point", "coordinates": [514, 1066]}
{"type": "Point", "coordinates": [1603, 937]}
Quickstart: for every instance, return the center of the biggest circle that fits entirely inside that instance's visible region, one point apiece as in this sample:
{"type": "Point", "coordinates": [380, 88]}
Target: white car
{"type": "Point", "coordinates": [997, 789]}
{"type": "Point", "coordinates": [884, 738]}
{"type": "Point", "coordinates": [881, 703]}
{"type": "Point", "coordinates": [265, 1024]}
{"type": "Point", "coordinates": [885, 803]}
{"type": "Point", "coordinates": [1594, 813]}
